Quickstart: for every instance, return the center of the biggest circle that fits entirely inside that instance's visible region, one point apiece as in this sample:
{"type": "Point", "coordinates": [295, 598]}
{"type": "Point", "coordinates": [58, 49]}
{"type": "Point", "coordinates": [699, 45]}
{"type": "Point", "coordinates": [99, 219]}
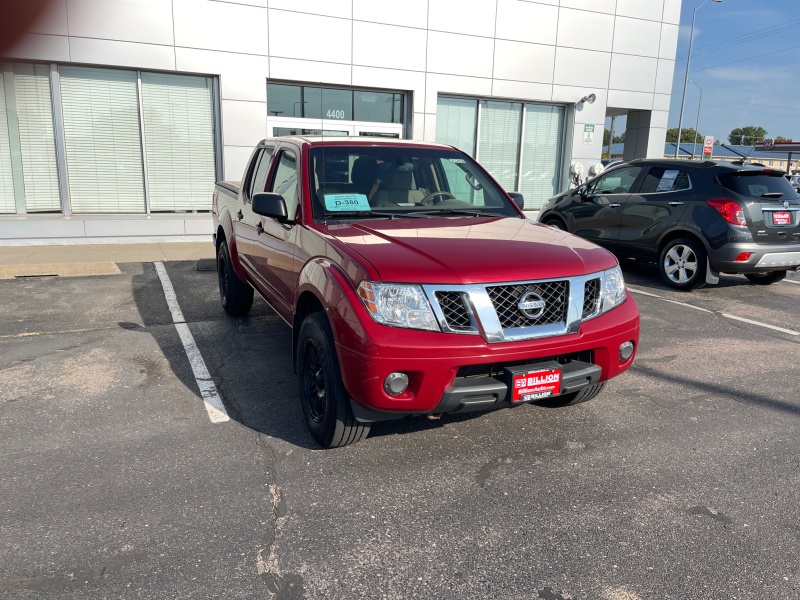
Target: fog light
{"type": "Point", "coordinates": [625, 351]}
{"type": "Point", "coordinates": [395, 383]}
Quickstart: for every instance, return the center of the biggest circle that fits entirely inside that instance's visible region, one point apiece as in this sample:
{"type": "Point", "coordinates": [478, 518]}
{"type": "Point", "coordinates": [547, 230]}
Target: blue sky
{"type": "Point", "coordinates": [746, 81]}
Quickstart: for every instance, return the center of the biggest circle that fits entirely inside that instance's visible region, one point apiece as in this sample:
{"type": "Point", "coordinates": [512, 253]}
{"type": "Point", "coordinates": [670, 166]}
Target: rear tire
{"type": "Point", "coordinates": [766, 278]}
{"type": "Point", "coordinates": [236, 297]}
{"type": "Point", "coordinates": [682, 264]}
{"type": "Point", "coordinates": [583, 395]}
{"type": "Point", "coordinates": [325, 403]}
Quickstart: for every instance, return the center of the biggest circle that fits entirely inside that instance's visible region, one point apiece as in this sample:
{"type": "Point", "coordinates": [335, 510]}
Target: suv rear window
{"type": "Point", "coordinates": [757, 183]}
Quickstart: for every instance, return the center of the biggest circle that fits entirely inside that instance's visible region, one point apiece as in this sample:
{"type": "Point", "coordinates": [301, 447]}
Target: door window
{"type": "Point", "coordinates": [259, 179]}
{"type": "Point", "coordinates": [285, 181]}
{"type": "Point", "coordinates": [618, 181]}
{"type": "Point", "coordinates": [659, 180]}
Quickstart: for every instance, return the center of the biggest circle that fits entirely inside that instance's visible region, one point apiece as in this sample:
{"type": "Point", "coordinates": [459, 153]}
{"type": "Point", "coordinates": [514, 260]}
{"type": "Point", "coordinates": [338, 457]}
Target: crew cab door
{"type": "Point", "coordinates": [655, 206]}
{"type": "Point", "coordinates": [245, 221]}
{"type": "Point", "coordinates": [274, 241]}
{"type": "Point", "coordinates": [598, 213]}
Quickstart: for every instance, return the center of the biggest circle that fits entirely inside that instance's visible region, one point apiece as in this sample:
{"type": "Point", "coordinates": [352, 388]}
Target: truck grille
{"type": "Point", "coordinates": [505, 299]}
{"type": "Point", "coordinates": [591, 298]}
{"type": "Point", "coordinates": [454, 310]}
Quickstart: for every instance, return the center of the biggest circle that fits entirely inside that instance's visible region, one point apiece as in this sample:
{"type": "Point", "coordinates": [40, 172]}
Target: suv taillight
{"type": "Point", "coordinates": [729, 210]}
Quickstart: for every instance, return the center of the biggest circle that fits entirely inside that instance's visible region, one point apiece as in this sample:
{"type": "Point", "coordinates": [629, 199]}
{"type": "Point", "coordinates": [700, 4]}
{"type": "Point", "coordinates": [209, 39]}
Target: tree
{"type": "Point", "coordinates": [747, 136]}
{"type": "Point", "coordinates": [688, 135]}
{"type": "Point", "coordinates": [618, 139]}
{"type": "Point", "coordinates": [780, 140]}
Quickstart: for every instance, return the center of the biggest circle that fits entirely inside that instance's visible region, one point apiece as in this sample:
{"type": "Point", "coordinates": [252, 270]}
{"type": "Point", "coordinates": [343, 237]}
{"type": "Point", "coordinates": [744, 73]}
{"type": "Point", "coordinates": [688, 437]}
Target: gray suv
{"type": "Point", "coordinates": [696, 219]}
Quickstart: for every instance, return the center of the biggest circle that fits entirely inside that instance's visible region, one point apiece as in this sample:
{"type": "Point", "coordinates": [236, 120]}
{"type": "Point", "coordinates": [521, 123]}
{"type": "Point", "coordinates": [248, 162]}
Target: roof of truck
{"type": "Point", "coordinates": [348, 140]}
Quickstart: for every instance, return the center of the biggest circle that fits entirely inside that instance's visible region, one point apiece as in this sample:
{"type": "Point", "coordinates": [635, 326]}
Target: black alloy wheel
{"type": "Point", "coordinates": [236, 297]}
{"type": "Point", "coordinates": [325, 403]}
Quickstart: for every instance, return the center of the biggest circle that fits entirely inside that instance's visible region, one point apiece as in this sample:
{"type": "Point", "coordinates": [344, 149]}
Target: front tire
{"type": "Point", "coordinates": [325, 403]}
{"type": "Point", "coordinates": [236, 297]}
{"type": "Point", "coordinates": [766, 278]}
{"type": "Point", "coordinates": [682, 264]}
{"type": "Point", "coordinates": [555, 223]}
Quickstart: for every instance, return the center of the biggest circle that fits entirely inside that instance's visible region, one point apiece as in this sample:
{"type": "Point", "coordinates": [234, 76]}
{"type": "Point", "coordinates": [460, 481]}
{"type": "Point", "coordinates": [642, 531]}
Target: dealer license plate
{"type": "Point", "coordinates": [536, 385]}
{"type": "Point", "coordinates": [781, 218]}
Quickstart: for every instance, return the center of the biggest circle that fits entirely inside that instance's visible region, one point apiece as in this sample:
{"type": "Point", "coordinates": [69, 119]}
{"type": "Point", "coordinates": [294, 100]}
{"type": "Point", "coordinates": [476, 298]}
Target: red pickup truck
{"type": "Point", "coordinates": [414, 285]}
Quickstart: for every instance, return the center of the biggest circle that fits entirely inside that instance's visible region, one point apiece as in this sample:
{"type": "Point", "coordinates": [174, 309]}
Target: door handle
{"type": "Point", "coordinates": [614, 205]}
{"type": "Point", "coordinates": [260, 229]}
{"type": "Point", "coordinates": [239, 215]}
{"type": "Point", "coordinates": [675, 203]}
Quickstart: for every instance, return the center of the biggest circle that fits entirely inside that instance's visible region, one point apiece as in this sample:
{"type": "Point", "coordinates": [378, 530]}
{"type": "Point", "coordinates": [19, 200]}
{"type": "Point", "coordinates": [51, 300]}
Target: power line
{"type": "Point", "coordinates": [759, 34]}
{"type": "Point", "coordinates": [739, 60]}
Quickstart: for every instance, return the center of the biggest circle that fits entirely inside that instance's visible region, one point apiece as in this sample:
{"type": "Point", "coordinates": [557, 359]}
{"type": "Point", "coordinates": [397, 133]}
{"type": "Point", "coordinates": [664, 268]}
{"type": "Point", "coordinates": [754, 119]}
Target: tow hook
{"type": "Point", "coordinates": [434, 416]}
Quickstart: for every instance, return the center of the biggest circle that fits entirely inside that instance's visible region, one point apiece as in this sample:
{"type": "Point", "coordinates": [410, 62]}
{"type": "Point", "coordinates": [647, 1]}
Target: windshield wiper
{"type": "Point", "coordinates": [772, 195]}
{"type": "Point", "coordinates": [459, 211]}
{"type": "Point", "coordinates": [364, 214]}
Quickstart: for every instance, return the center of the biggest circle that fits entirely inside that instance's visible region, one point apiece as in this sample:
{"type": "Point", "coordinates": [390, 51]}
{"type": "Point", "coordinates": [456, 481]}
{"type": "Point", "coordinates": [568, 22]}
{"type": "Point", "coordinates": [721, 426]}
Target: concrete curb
{"type": "Point", "coordinates": [77, 269]}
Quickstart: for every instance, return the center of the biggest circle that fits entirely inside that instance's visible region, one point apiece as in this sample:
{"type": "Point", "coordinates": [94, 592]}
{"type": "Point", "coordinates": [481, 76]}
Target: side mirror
{"type": "Point", "coordinates": [271, 205]}
{"type": "Point", "coordinates": [583, 192]}
{"type": "Point", "coordinates": [518, 199]}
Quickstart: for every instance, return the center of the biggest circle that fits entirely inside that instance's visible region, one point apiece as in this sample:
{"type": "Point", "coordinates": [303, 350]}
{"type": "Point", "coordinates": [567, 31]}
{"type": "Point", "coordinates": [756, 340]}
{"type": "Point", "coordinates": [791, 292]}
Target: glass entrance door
{"type": "Point", "coordinates": [278, 127]}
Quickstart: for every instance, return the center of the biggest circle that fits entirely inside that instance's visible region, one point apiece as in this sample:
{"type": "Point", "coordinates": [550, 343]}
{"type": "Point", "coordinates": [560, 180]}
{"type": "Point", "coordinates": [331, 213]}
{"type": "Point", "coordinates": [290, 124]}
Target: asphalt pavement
{"type": "Point", "coordinates": [679, 481]}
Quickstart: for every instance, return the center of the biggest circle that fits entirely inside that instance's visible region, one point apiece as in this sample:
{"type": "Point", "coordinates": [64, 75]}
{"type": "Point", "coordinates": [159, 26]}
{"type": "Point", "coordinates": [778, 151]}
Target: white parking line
{"type": "Point", "coordinates": [667, 299]}
{"type": "Point", "coordinates": [792, 281]}
{"type": "Point", "coordinates": [214, 407]}
{"type": "Point", "coordinates": [781, 329]}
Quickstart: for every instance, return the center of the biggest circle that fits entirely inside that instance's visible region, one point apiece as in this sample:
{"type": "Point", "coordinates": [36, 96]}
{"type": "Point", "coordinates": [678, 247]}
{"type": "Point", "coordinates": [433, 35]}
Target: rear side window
{"type": "Point", "coordinates": [757, 183]}
{"type": "Point", "coordinates": [659, 179]}
{"type": "Point", "coordinates": [260, 175]}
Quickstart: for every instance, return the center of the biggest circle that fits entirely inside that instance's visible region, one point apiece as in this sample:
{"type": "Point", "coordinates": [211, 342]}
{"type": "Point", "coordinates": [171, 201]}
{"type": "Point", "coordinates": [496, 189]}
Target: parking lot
{"type": "Point", "coordinates": [679, 481]}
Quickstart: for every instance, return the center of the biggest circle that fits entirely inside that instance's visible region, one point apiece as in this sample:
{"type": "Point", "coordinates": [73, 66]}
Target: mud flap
{"type": "Point", "coordinates": [712, 276]}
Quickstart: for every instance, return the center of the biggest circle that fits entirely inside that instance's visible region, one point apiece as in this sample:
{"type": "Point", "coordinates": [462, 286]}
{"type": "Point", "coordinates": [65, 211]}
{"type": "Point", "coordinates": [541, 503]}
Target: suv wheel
{"type": "Point", "coordinates": [556, 223]}
{"type": "Point", "coordinates": [326, 406]}
{"type": "Point", "coordinates": [236, 297]}
{"type": "Point", "coordinates": [766, 278]}
{"type": "Point", "coordinates": [683, 264]}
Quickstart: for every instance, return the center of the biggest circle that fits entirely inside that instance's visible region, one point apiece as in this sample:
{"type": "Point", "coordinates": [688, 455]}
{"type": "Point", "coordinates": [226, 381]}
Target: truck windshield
{"type": "Point", "coordinates": [350, 182]}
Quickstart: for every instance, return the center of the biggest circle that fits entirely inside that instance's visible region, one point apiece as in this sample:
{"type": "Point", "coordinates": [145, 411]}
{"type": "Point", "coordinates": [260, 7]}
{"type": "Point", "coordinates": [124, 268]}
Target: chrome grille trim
{"type": "Point", "coordinates": [485, 322]}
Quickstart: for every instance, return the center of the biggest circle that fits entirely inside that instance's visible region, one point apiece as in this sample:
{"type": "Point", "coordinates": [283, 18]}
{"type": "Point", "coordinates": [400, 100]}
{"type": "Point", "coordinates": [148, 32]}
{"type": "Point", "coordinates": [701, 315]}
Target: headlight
{"type": "Point", "coordinates": [613, 289]}
{"type": "Point", "coordinates": [398, 304]}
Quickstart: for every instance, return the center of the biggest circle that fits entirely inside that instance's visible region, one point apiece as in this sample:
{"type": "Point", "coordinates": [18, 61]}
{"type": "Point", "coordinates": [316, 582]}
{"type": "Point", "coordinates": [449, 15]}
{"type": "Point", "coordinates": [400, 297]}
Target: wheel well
{"type": "Point", "coordinates": [220, 236]}
{"type": "Point", "coordinates": [307, 303]}
{"type": "Point", "coordinates": [674, 235]}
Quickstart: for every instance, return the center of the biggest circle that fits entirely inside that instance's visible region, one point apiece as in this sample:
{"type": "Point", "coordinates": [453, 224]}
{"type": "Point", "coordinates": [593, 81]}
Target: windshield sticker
{"type": "Point", "coordinates": [457, 161]}
{"type": "Point", "coordinates": [667, 181]}
{"type": "Point", "coordinates": [342, 202]}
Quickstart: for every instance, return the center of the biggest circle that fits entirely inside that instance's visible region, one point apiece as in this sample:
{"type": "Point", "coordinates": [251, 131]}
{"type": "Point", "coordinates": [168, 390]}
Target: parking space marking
{"type": "Point", "coordinates": [773, 327]}
{"type": "Point", "coordinates": [634, 291]}
{"type": "Point", "coordinates": [213, 403]}
{"type": "Point", "coordinates": [795, 281]}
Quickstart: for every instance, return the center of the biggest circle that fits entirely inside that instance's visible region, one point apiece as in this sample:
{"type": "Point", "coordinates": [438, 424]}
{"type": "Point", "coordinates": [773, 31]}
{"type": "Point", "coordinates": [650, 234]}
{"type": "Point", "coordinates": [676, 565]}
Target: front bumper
{"type": "Point", "coordinates": [432, 362]}
{"type": "Point", "coordinates": [764, 258]}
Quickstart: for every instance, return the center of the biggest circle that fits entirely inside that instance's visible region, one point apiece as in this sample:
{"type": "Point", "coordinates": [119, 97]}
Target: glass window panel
{"type": "Point", "coordinates": [456, 120]}
{"type": "Point", "coordinates": [498, 141]}
{"type": "Point", "coordinates": [285, 181]}
{"type": "Point", "coordinates": [541, 153]}
{"type": "Point", "coordinates": [284, 100]}
{"type": "Point", "coordinates": [377, 107]}
{"type": "Point", "coordinates": [103, 140]}
{"type": "Point", "coordinates": [260, 176]}
{"type": "Point", "coordinates": [7, 202]}
{"type": "Point", "coordinates": [36, 139]}
{"type": "Point", "coordinates": [322, 103]}
{"type": "Point", "coordinates": [179, 141]}
{"type": "Point", "coordinates": [284, 131]}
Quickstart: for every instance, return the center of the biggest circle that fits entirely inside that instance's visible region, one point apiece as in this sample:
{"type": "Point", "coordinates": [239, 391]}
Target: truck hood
{"type": "Point", "coordinates": [469, 250]}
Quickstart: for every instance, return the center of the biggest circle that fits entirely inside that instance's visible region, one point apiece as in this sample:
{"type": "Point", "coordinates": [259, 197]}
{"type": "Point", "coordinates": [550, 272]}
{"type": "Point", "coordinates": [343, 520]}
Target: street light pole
{"type": "Point", "coordinates": [697, 121]}
{"type": "Point", "coordinates": [686, 77]}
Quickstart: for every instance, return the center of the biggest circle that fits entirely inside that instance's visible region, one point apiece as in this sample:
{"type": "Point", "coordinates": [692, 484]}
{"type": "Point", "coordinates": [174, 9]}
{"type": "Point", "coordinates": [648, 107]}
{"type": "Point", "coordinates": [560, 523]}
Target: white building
{"type": "Point", "coordinates": [116, 116]}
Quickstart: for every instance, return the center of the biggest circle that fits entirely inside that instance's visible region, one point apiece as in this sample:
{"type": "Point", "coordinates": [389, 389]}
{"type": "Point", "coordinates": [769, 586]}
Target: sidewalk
{"type": "Point", "coordinates": [92, 259]}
